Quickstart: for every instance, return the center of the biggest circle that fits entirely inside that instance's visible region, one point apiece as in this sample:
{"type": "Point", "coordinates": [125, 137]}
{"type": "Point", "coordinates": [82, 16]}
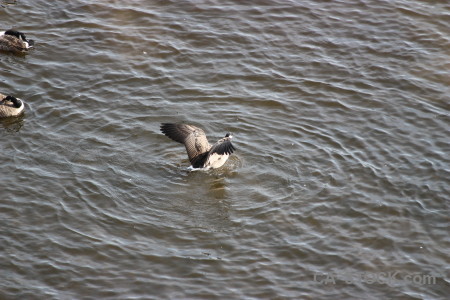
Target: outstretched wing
{"type": "Point", "coordinates": [193, 138]}
{"type": "Point", "coordinates": [223, 146]}
{"type": "Point", "coordinates": [219, 153]}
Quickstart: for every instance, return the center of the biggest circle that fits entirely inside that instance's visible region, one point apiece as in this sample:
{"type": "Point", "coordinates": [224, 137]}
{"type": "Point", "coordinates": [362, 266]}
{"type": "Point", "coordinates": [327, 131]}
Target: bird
{"type": "Point", "coordinates": [15, 41]}
{"type": "Point", "coordinates": [201, 154]}
{"type": "Point", "coordinates": [10, 106]}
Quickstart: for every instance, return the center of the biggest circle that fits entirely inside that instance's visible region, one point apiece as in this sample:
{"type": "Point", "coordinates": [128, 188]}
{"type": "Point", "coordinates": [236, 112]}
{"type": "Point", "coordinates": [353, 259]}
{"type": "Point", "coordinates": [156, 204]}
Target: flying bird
{"type": "Point", "coordinates": [201, 153]}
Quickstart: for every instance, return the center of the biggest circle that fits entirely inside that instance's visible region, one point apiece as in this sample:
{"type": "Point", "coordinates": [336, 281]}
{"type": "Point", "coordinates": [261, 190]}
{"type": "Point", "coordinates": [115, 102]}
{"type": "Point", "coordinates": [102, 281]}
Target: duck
{"type": "Point", "coordinates": [15, 41]}
{"type": "Point", "coordinates": [202, 155]}
{"type": "Point", "coordinates": [10, 106]}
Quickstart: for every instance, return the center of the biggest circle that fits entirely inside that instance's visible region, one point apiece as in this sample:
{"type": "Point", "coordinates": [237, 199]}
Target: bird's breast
{"type": "Point", "coordinates": [216, 160]}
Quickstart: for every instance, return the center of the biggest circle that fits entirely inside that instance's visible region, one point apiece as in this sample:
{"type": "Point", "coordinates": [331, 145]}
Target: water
{"type": "Point", "coordinates": [340, 113]}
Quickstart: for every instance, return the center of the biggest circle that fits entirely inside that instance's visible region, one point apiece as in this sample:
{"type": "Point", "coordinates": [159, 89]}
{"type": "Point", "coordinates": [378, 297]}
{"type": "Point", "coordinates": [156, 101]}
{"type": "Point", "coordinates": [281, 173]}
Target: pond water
{"type": "Point", "coordinates": [338, 188]}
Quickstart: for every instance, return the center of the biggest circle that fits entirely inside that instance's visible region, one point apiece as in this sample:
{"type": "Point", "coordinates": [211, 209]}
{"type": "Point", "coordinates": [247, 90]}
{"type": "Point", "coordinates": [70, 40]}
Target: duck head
{"type": "Point", "coordinates": [16, 102]}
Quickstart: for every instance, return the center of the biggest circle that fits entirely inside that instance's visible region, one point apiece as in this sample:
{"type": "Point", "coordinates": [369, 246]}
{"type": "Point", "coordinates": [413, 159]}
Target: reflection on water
{"type": "Point", "coordinates": [217, 189]}
{"type": "Point", "coordinates": [12, 125]}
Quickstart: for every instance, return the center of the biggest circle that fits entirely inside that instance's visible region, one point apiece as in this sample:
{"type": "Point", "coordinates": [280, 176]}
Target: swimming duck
{"type": "Point", "coordinates": [10, 106]}
{"type": "Point", "coordinates": [201, 153]}
{"type": "Point", "coordinates": [15, 41]}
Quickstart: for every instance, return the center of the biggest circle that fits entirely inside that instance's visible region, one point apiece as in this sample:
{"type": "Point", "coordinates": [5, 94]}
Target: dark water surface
{"type": "Point", "coordinates": [339, 188]}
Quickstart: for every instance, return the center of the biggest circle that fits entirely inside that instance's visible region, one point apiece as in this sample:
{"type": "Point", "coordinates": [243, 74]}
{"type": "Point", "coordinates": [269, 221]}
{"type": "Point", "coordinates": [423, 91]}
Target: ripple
{"type": "Point", "coordinates": [340, 120]}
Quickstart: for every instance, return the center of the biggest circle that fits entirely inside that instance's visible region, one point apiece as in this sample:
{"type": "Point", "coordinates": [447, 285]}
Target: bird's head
{"type": "Point", "coordinates": [16, 102]}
